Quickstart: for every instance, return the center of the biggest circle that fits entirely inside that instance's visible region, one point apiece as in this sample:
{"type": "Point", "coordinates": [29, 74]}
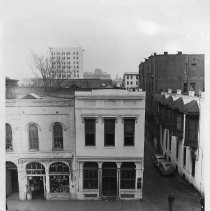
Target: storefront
{"type": "Point", "coordinates": [36, 180]}
{"type": "Point", "coordinates": [59, 178]}
{"type": "Point", "coordinates": [98, 180]}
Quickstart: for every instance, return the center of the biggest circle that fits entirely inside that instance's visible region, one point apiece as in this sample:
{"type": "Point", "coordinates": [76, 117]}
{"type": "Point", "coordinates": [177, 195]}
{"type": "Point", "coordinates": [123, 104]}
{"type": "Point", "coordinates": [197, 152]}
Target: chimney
{"type": "Point", "coordinates": [169, 91]}
{"type": "Point", "coordinates": [179, 91]}
{"type": "Point", "coordinates": [155, 54]}
{"type": "Point", "coordinates": [191, 93]}
{"type": "Point", "coordinates": [179, 52]}
{"type": "Point", "coordinates": [165, 53]}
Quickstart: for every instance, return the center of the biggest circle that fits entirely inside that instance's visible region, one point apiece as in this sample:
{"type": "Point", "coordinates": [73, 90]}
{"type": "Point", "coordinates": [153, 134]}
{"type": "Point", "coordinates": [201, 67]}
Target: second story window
{"type": "Point", "coordinates": [57, 136]}
{"type": "Point", "coordinates": [9, 146]}
{"type": "Point", "coordinates": [184, 157]}
{"type": "Point", "coordinates": [33, 137]}
{"type": "Point", "coordinates": [90, 129]}
{"type": "Point", "coordinates": [129, 132]}
{"type": "Point", "coordinates": [191, 130]}
{"type": "Point", "coordinates": [109, 132]}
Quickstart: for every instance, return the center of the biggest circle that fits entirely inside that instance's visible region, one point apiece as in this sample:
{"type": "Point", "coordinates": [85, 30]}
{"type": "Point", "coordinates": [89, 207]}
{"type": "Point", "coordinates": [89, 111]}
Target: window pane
{"type": "Point", "coordinates": [58, 136]}
{"type": "Point", "coordinates": [89, 132]}
{"type": "Point", "coordinates": [90, 175]}
{"type": "Point", "coordinates": [8, 137]}
{"type": "Point", "coordinates": [33, 137]}
{"type": "Point", "coordinates": [109, 132]}
{"type": "Point", "coordinates": [129, 128]}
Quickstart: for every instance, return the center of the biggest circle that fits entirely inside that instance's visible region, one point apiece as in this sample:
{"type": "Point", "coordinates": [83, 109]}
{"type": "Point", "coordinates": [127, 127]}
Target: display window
{"type": "Point", "coordinates": [59, 178]}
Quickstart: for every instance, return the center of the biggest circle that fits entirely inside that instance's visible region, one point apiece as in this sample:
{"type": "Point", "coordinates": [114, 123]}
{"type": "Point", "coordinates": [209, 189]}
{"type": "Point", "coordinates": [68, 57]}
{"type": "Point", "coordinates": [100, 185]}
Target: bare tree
{"type": "Point", "coordinates": [51, 70]}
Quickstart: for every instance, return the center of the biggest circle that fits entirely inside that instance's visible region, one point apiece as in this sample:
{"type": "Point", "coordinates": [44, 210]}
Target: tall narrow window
{"type": "Point", "coordinates": [90, 175]}
{"type": "Point", "coordinates": [177, 149]}
{"type": "Point", "coordinates": [58, 136]}
{"type": "Point", "coordinates": [170, 136]}
{"type": "Point", "coordinates": [9, 146]}
{"type": "Point", "coordinates": [184, 157]}
{"type": "Point", "coordinates": [33, 137]}
{"type": "Point", "coordinates": [127, 175]}
{"type": "Point", "coordinates": [129, 132]}
{"type": "Point", "coordinates": [109, 132]}
{"type": "Point", "coordinates": [193, 166]}
{"type": "Point", "coordinates": [192, 128]}
{"type": "Point", "coordinates": [90, 126]}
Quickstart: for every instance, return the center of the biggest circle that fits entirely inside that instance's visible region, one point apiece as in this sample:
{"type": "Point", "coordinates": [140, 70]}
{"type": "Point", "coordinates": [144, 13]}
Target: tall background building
{"type": "Point", "coordinates": [71, 60]}
{"type": "Point", "coordinates": [97, 74]}
{"type": "Point", "coordinates": [184, 72]}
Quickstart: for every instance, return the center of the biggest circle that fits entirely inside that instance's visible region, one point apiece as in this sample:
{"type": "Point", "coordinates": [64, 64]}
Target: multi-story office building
{"type": "Point", "coordinates": [180, 127]}
{"type": "Point", "coordinates": [130, 80]}
{"type": "Point", "coordinates": [69, 60]}
{"type": "Point", "coordinates": [110, 143]}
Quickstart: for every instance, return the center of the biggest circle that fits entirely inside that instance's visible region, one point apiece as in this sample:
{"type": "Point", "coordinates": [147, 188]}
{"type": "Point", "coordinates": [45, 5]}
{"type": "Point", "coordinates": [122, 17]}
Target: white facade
{"type": "Point", "coordinates": [44, 113]}
{"type": "Point", "coordinates": [184, 165]}
{"type": "Point", "coordinates": [131, 80]}
{"type": "Point", "coordinates": [117, 105]}
{"type": "Point", "coordinates": [72, 61]}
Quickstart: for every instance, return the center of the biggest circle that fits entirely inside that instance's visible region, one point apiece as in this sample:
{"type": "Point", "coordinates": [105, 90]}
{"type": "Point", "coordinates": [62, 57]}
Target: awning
{"type": "Point", "coordinates": [177, 103]}
{"type": "Point", "coordinates": [190, 108]}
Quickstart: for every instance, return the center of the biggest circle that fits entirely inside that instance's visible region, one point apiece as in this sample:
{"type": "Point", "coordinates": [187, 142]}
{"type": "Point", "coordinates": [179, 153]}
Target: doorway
{"type": "Point", "coordinates": [109, 179]}
{"type": "Point", "coordinates": [11, 178]}
{"type": "Point", "coordinates": [36, 184]}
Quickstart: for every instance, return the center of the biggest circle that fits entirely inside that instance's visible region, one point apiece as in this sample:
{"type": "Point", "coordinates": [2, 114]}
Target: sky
{"type": "Point", "coordinates": [116, 35]}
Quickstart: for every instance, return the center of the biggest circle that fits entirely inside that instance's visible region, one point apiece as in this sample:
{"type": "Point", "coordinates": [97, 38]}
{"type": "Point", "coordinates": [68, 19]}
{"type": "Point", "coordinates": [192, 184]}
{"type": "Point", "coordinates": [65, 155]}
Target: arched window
{"type": "Point", "coordinates": [90, 175]}
{"type": "Point", "coordinates": [35, 168]}
{"type": "Point", "coordinates": [9, 146]}
{"type": "Point", "coordinates": [57, 136]}
{"type": "Point", "coordinates": [128, 175]}
{"type": "Point", "coordinates": [33, 137]}
{"type": "Point", "coordinates": [59, 177]}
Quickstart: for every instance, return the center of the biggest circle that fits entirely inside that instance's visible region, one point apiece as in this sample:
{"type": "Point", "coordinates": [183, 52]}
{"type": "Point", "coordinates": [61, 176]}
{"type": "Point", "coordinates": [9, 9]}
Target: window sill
{"type": "Point", "coordinates": [9, 150]}
{"type": "Point", "coordinates": [90, 146]}
{"type": "Point", "coordinates": [128, 147]}
{"type": "Point", "coordinates": [33, 150]}
{"type": "Point", "coordinates": [109, 147]}
{"type": "Point", "coordinates": [57, 150]}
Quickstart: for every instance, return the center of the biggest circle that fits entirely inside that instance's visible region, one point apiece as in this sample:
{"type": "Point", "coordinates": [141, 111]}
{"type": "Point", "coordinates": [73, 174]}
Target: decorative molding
{"type": "Point", "coordinates": [136, 117]}
{"type": "Point", "coordinates": [43, 160]}
{"type": "Point", "coordinates": [63, 126]}
{"type": "Point", "coordinates": [90, 116]}
{"type": "Point", "coordinates": [109, 117]}
{"type": "Point", "coordinates": [32, 123]}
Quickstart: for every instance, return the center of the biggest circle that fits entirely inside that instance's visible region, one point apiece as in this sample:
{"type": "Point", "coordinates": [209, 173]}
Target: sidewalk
{"type": "Point", "coordinates": [39, 205]}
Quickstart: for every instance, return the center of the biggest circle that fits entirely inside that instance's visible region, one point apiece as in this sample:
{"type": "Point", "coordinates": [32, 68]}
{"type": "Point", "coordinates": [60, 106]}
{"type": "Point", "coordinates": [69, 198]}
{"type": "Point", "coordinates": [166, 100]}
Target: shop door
{"type": "Point", "coordinates": [36, 186]}
{"type": "Point", "coordinates": [109, 179]}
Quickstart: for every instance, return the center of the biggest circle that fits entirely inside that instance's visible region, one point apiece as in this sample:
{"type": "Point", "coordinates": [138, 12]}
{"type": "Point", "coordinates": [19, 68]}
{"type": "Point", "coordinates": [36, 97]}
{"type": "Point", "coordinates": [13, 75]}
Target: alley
{"type": "Point", "coordinates": [157, 187]}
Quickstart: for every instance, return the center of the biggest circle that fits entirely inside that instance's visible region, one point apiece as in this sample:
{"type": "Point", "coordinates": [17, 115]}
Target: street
{"type": "Point", "coordinates": [155, 192]}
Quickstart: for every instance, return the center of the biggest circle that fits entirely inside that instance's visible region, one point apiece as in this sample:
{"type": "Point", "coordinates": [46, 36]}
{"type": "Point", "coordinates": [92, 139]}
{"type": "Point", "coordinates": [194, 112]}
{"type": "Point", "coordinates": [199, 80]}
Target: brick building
{"type": "Point", "coordinates": [180, 129]}
{"type": "Point", "coordinates": [169, 71]}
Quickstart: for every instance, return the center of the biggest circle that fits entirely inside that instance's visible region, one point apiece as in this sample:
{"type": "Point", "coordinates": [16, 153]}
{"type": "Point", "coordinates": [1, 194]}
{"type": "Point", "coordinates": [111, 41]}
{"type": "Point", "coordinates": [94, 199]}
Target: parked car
{"type": "Point", "coordinates": [166, 168]}
{"type": "Point", "coordinates": [156, 158]}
